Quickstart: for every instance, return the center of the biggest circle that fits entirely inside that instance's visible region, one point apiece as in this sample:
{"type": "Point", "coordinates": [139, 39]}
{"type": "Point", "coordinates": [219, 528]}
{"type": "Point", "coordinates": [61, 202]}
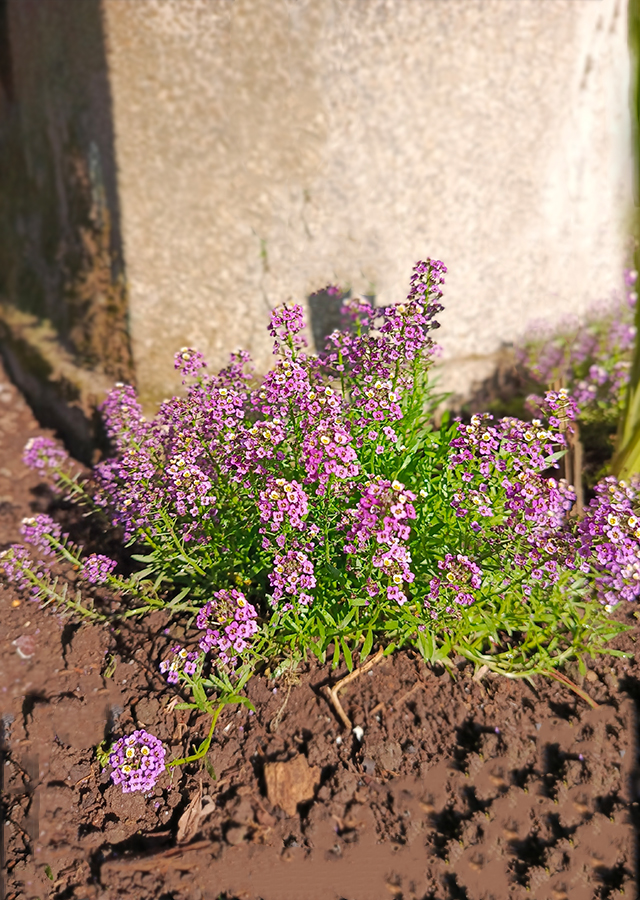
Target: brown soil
{"type": "Point", "coordinates": [458, 789]}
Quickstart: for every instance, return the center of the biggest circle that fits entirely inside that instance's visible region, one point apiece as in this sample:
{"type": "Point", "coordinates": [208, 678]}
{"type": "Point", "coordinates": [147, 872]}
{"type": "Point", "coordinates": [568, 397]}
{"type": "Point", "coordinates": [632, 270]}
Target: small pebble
{"type": "Point", "coordinates": [538, 726]}
{"type": "Point", "coordinates": [359, 732]}
{"type": "Point", "coordinates": [338, 740]}
{"type": "Point", "coordinates": [368, 766]}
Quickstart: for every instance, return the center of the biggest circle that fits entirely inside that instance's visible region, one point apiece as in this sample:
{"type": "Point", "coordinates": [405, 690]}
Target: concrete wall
{"type": "Point", "coordinates": [267, 147]}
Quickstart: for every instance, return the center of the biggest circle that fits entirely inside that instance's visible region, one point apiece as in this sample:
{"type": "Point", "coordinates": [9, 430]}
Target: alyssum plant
{"type": "Point", "coordinates": [319, 509]}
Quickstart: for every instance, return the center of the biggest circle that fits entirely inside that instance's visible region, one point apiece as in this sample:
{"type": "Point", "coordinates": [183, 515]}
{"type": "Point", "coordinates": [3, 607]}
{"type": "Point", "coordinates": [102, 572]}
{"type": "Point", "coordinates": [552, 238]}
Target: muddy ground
{"type": "Point", "coordinates": [458, 788]}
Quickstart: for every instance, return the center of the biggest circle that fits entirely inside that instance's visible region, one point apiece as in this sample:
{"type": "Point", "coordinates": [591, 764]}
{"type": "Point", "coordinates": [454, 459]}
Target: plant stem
{"type": "Point", "coordinates": [570, 684]}
{"type": "Point", "coordinates": [204, 746]}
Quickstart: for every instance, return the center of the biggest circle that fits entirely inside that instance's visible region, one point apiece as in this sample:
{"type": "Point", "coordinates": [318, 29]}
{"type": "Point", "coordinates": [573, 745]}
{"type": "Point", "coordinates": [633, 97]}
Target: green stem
{"type": "Point", "coordinates": [204, 746]}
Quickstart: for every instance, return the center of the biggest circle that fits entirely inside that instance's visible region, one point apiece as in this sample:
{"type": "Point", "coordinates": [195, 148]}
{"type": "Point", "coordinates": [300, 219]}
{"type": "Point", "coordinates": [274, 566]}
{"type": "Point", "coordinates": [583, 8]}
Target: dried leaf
{"type": "Point", "coordinates": [290, 783]}
{"type": "Point", "coordinates": [191, 820]}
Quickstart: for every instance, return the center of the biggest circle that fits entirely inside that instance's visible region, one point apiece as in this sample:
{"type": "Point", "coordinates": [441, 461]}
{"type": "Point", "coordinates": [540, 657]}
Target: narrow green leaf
{"type": "Point", "coordinates": [347, 654]}
{"type": "Point", "coordinates": [366, 647]}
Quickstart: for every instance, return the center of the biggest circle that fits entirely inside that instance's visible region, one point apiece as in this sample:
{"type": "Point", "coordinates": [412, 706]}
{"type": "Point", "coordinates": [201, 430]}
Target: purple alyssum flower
{"type": "Point", "coordinates": [97, 568]}
{"type": "Point", "coordinates": [610, 540]}
{"type": "Point", "coordinates": [137, 761]}
{"type": "Point", "coordinates": [40, 531]}
{"type": "Point", "coordinates": [47, 458]}
{"type": "Point", "coordinates": [228, 623]}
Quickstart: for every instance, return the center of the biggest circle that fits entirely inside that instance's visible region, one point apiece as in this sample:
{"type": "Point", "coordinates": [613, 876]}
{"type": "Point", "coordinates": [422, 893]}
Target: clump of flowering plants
{"type": "Point", "coordinates": [320, 510]}
{"type": "Point", "coordinates": [591, 359]}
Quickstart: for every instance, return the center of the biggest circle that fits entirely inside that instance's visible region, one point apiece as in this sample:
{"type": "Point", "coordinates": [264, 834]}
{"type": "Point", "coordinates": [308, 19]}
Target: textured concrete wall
{"type": "Point", "coordinates": [267, 148]}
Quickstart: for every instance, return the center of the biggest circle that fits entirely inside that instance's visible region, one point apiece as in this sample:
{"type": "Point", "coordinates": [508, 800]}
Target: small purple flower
{"type": "Point", "coordinates": [137, 761]}
{"type": "Point", "coordinates": [181, 662]}
{"type": "Point", "coordinates": [14, 564]}
{"type": "Point", "coordinates": [38, 531]}
{"type": "Point", "coordinates": [460, 576]}
{"type": "Point", "coordinates": [189, 362]}
{"type": "Point", "coordinates": [228, 622]}
{"type": "Point", "coordinates": [97, 568]}
{"type": "Point", "coordinates": [46, 457]}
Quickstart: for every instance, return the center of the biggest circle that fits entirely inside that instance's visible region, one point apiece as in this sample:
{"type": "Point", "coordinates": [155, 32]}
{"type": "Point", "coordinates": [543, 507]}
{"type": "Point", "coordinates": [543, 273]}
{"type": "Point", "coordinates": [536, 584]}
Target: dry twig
{"type": "Point", "coordinates": [332, 693]}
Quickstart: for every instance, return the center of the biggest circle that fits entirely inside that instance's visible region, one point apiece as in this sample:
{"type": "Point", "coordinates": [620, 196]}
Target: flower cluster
{"type": "Point", "coordinates": [610, 540]}
{"type": "Point", "coordinates": [502, 491]}
{"type": "Point", "coordinates": [45, 457]}
{"type": "Point", "coordinates": [378, 527]}
{"type": "Point", "coordinates": [561, 409]}
{"type": "Point", "coordinates": [97, 568]}
{"type": "Point", "coordinates": [189, 362]}
{"type": "Point", "coordinates": [292, 576]}
{"type": "Point", "coordinates": [137, 761]}
{"type": "Point", "coordinates": [286, 325]}
{"type": "Point", "coordinates": [17, 564]}
{"type": "Point", "coordinates": [40, 531]}
{"type": "Point", "coordinates": [592, 359]}
{"type": "Point", "coordinates": [356, 517]}
{"type": "Point", "coordinates": [181, 662]}
{"type": "Point", "coordinates": [459, 579]}
{"type": "Point", "coordinates": [282, 503]}
{"type": "Point", "coordinates": [233, 620]}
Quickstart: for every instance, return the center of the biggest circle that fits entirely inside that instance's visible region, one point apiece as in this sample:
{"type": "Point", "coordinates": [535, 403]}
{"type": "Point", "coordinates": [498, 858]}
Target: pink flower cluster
{"type": "Point", "coordinates": [379, 526]}
{"type": "Point", "coordinates": [181, 662]}
{"type": "Point", "coordinates": [610, 540]}
{"type": "Point", "coordinates": [526, 505]}
{"type": "Point", "coordinates": [189, 362]}
{"type": "Point", "coordinates": [283, 504]}
{"type": "Point", "coordinates": [41, 531]}
{"type": "Point", "coordinates": [286, 325]}
{"type": "Point", "coordinates": [46, 457]}
{"type": "Point", "coordinates": [97, 568]}
{"type": "Point", "coordinates": [460, 577]}
{"type": "Point", "coordinates": [137, 761]}
{"type": "Point", "coordinates": [15, 564]}
{"type": "Point", "coordinates": [292, 576]}
{"type": "Point", "coordinates": [233, 618]}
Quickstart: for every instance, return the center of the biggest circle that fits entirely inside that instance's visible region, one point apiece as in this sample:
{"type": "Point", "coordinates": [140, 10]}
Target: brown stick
{"type": "Point", "coordinates": [332, 693]}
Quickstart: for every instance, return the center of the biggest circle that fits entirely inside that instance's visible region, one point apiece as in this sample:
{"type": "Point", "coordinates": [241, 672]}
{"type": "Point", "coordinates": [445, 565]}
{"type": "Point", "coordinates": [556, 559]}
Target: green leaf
{"type": "Point", "coordinates": [210, 769]}
{"type": "Point", "coordinates": [336, 655]}
{"type": "Point", "coordinates": [48, 872]}
{"type": "Point", "coordinates": [198, 693]}
{"type": "Point", "coordinates": [347, 619]}
{"type": "Point", "coordinates": [366, 647]}
{"type": "Point", "coordinates": [582, 667]}
{"type": "Point", "coordinates": [183, 593]}
{"type": "Point", "coordinates": [426, 645]}
{"type": "Point", "coordinates": [347, 654]}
